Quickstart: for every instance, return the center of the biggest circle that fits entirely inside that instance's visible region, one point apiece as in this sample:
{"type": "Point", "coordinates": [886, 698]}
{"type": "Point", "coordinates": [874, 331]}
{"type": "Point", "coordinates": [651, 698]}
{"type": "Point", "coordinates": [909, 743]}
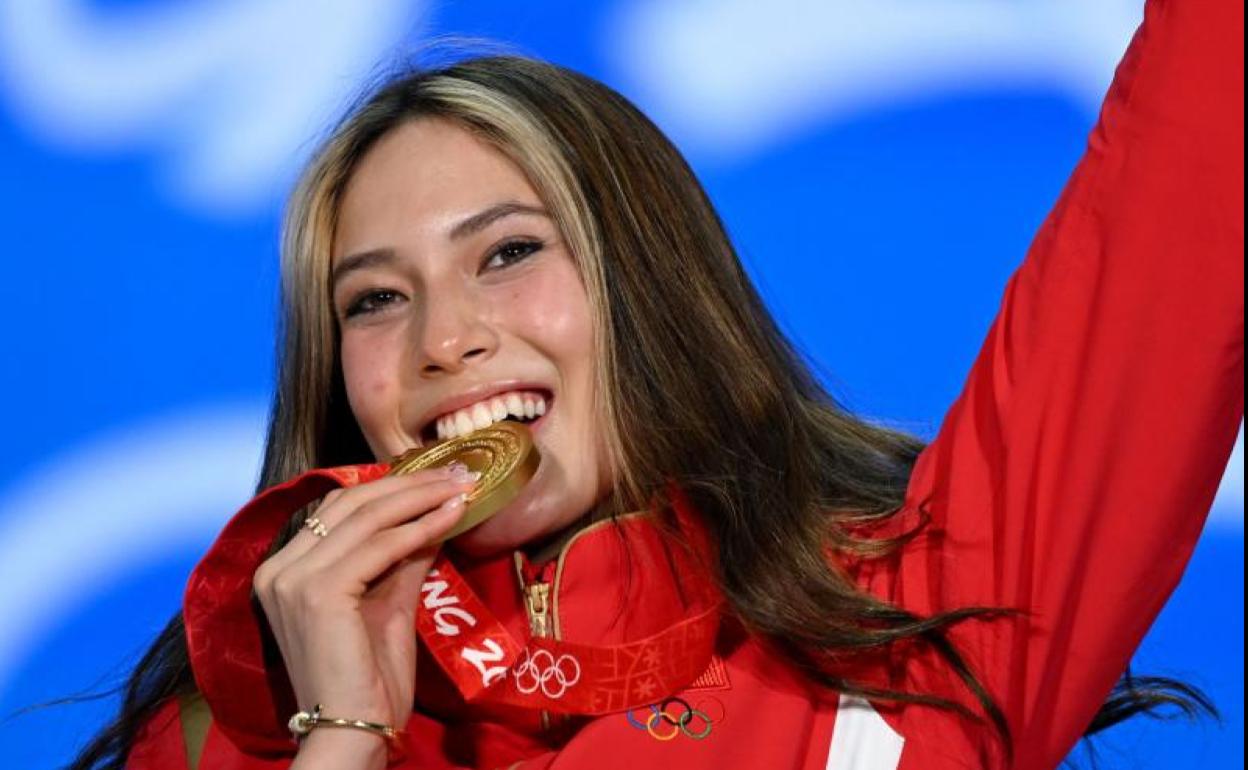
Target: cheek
{"type": "Point", "coordinates": [556, 314]}
{"type": "Point", "coordinates": [569, 335]}
{"type": "Point", "coordinates": [564, 336]}
{"type": "Point", "coordinates": [367, 372]}
{"type": "Point", "coordinates": [554, 317]}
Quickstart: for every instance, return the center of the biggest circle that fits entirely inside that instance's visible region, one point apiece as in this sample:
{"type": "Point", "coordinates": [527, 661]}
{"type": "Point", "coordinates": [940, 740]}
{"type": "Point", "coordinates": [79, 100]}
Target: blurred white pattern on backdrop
{"type": "Point", "coordinates": [754, 74]}
{"type": "Point", "coordinates": [228, 92]}
{"type": "Point", "coordinates": [114, 503]}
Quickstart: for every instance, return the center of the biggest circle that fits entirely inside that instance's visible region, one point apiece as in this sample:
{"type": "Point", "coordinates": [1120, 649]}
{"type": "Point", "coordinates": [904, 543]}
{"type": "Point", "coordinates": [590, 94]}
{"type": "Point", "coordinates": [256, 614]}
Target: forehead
{"type": "Point", "coordinates": [418, 180]}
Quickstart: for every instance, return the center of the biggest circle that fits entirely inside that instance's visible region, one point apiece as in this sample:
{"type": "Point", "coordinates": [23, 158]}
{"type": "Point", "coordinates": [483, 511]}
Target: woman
{"type": "Point", "coordinates": [776, 583]}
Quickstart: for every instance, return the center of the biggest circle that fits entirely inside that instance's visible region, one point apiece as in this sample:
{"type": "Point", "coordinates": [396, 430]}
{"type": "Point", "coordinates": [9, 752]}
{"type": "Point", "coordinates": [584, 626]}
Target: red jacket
{"type": "Point", "coordinates": [1070, 480]}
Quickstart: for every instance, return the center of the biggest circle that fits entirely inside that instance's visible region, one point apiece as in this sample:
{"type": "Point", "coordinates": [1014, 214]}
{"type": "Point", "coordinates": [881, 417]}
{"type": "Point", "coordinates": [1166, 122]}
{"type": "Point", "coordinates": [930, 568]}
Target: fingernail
{"type": "Point", "coordinates": [460, 472]}
{"type": "Point", "coordinates": [455, 501]}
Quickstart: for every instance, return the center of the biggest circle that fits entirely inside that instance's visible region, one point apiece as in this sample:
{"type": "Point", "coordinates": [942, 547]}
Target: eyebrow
{"type": "Point", "coordinates": [462, 229]}
{"type": "Point", "coordinates": [365, 259]}
{"type": "Point", "coordinates": [483, 219]}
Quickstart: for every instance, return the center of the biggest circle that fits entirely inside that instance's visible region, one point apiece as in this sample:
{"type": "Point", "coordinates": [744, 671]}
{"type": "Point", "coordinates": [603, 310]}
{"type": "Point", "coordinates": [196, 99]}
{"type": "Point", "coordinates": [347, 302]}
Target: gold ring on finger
{"type": "Point", "coordinates": [317, 526]}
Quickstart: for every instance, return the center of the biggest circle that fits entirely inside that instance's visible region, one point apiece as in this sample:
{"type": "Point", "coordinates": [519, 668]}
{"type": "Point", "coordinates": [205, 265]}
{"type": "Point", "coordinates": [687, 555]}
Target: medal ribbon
{"type": "Point", "coordinates": [488, 665]}
{"type": "Point", "coordinates": [250, 697]}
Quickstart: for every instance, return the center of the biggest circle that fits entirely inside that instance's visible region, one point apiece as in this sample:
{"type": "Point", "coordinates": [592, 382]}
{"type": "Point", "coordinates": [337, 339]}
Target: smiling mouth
{"type": "Point", "coordinates": [527, 407]}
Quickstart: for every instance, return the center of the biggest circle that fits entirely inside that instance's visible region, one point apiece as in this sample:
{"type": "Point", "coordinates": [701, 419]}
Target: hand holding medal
{"type": "Point", "coordinates": [341, 597]}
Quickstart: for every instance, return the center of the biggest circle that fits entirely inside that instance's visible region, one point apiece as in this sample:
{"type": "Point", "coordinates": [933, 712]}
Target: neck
{"type": "Point", "coordinates": [548, 547]}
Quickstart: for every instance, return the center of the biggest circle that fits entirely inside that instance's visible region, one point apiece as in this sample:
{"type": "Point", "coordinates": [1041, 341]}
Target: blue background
{"type": "Point", "coordinates": [882, 167]}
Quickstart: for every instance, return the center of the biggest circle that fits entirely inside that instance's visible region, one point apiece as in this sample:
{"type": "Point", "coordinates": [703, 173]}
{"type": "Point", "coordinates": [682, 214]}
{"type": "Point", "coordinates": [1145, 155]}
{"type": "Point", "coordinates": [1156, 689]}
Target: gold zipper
{"type": "Point", "coordinates": [537, 601]}
{"type": "Point", "coordinates": [540, 603]}
{"type": "Point", "coordinates": [537, 607]}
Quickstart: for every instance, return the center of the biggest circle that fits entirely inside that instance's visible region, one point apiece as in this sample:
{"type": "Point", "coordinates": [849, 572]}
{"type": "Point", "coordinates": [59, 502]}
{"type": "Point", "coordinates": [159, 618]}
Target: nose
{"type": "Point", "coordinates": [452, 334]}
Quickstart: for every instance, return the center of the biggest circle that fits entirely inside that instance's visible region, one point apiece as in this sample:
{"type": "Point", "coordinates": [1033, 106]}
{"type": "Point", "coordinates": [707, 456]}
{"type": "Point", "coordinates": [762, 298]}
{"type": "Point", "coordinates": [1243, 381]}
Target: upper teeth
{"type": "Point", "coordinates": [489, 411]}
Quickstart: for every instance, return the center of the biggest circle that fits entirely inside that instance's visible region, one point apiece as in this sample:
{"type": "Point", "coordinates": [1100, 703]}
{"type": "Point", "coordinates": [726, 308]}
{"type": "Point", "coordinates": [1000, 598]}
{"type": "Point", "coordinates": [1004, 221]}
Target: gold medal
{"type": "Point", "coordinates": [504, 455]}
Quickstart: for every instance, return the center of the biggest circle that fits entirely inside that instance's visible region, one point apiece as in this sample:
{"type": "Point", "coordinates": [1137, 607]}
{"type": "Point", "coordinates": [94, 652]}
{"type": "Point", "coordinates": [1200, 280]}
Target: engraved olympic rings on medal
{"type": "Point", "coordinates": [693, 723]}
{"type": "Point", "coordinates": [537, 670]}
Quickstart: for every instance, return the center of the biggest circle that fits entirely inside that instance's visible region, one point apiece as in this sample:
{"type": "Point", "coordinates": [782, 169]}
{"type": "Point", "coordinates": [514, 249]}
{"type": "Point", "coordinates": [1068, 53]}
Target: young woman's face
{"type": "Point", "coordinates": [457, 302]}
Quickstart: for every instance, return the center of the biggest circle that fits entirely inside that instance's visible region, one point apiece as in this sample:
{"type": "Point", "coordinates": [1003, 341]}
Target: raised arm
{"type": "Point", "coordinates": [1071, 478]}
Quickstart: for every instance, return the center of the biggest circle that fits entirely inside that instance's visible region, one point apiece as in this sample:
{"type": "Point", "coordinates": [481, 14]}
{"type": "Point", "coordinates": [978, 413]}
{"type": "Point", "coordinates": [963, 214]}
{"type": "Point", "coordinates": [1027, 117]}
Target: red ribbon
{"type": "Point", "coordinates": [488, 665]}
{"type": "Point", "coordinates": [251, 697]}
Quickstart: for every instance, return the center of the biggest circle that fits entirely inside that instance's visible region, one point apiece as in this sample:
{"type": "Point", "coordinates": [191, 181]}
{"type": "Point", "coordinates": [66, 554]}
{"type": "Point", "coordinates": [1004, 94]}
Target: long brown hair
{"type": "Point", "coordinates": [697, 382]}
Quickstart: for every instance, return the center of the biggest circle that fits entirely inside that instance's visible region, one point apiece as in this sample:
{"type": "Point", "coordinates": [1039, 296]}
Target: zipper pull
{"type": "Point", "coordinates": [537, 597]}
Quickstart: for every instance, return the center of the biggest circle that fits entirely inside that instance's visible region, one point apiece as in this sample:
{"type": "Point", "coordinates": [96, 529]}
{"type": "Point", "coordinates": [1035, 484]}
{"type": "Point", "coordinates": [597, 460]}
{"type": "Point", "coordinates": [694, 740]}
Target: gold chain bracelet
{"type": "Point", "coordinates": [305, 722]}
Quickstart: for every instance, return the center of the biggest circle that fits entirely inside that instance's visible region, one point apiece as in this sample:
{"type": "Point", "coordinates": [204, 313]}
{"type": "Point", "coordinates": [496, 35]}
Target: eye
{"type": "Point", "coordinates": [512, 252]}
{"type": "Point", "coordinates": [370, 302]}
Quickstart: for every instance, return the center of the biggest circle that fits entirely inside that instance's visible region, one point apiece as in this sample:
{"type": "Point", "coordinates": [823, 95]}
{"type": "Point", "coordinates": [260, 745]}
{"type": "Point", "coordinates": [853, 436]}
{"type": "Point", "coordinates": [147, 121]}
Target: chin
{"type": "Point", "coordinates": [492, 537]}
{"type": "Point", "coordinates": [524, 521]}
{"type": "Point", "coordinates": [544, 507]}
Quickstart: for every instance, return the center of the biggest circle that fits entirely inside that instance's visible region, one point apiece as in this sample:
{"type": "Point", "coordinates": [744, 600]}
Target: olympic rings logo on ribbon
{"type": "Point", "coordinates": [692, 722]}
{"type": "Point", "coordinates": [537, 670]}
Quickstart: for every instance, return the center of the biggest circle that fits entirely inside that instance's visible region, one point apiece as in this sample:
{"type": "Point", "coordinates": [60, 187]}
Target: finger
{"type": "Point", "coordinates": [348, 500]}
{"type": "Point", "coordinates": [288, 564]}
{"type": "Point", "coordinates": [380, 514]}
{"type": "Point", "coordinates": [340, 503]}
{"type": "Point", "coordinates": [386, 548]}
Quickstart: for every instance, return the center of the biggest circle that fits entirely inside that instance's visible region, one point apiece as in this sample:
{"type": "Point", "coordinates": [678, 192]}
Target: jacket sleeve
{"type": "Point", "coordinates": [1071, 478]}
